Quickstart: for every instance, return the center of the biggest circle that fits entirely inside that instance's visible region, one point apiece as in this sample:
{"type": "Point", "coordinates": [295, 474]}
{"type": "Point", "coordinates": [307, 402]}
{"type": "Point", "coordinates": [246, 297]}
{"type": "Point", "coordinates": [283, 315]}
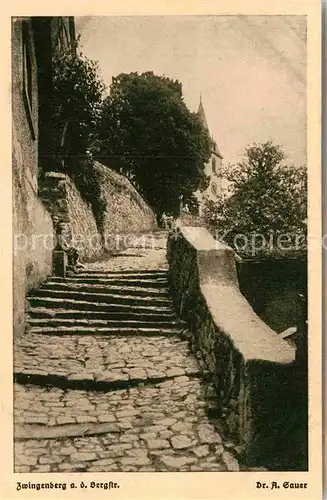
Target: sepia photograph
{"type": "Point", "coordinates": [160, 245]}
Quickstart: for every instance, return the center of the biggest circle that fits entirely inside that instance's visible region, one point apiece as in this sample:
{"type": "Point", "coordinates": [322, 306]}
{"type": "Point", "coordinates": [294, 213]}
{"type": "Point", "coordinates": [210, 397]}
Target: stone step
{"type": "Point", "coordinates": [83, 305]}
{"type": "Point", "coordinates": [107, 381]}
{"type": "Point", "coordinates": [94, 323]}
{"type": "Point", "coordinates": [125, 281]}
{"type": "Point", "coordinates": [113, 289]}
{"type": "Point", "coordinates": [107, 298]}
{"type": "Point", "coordinates": [147, 273]}
{"type": "Point", "coordinates": [42, 312]}
{"type": "Point", "coordinates": [105, 330]}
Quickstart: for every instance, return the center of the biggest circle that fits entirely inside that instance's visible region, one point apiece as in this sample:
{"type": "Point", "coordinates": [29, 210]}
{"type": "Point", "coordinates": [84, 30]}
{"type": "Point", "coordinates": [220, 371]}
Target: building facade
{"type": "Point", "coordinates": [34, 42]}
{"type": "Point", "coordinates": [213, 169]}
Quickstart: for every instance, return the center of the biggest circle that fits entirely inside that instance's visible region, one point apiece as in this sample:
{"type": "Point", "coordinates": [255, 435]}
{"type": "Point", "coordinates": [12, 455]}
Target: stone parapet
{"type": "Point", "coordinates": [252, 368]}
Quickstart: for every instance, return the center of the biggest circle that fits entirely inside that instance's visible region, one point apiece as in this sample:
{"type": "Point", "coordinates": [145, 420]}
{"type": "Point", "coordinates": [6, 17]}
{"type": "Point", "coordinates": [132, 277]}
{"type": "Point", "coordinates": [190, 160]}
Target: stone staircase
{"type": "Point", "coordinates": [114, 303]}
{"type": "Point", "coordinates": [105, 379]}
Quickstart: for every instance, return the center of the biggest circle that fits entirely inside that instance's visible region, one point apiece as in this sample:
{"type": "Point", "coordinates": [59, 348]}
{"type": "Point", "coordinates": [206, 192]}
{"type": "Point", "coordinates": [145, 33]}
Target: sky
{"type": "Point", "coordinates": [250, 70]}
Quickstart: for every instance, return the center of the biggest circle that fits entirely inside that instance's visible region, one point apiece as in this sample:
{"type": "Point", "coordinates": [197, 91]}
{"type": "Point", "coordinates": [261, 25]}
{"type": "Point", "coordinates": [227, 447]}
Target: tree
{"type": "Point", "coordinates": [78, 93]}
{"type": "Point", "coordinates": [267, 203]}
{"type": "Point", "coordinates": [77, 98]}
{"type": "Point", "coordinates": [149, 132]}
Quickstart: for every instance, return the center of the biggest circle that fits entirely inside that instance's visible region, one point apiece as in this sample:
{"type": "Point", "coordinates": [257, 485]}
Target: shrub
{"type": "Point", "coordinates": [266, 206]}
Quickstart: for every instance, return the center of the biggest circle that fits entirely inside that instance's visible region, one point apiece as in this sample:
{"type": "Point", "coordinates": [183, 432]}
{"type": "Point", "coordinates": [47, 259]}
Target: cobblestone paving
{"type": "Point", "coordinates": [102, 359]}
{"type": "Point", "coordinates": [114, 403]}
{"type": "Point", "coordinates": [148, 252]}
{"type": "Point", "coordinates": [158, 428]}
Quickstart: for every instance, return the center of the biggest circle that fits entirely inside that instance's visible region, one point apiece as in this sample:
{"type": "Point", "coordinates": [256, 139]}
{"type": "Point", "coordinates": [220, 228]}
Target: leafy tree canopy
{"type": "Point", "coordinates": [267, 199]}
{"type": "Point", "coordinates": [78, 93]}
{"type": "Point", "coordinates": [149, 132]}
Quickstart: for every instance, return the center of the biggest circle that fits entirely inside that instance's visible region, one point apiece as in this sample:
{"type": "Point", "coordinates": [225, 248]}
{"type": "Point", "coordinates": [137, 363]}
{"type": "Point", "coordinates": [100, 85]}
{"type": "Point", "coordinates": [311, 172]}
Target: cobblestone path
{"type": "Point", "coordinates": [105, 379]}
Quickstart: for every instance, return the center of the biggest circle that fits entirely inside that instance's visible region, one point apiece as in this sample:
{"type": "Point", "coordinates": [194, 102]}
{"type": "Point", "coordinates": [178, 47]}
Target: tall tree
{"type": "Point", "coordinates": [77, 97]}
{"type": "Point", "coordinates": [148, 131]}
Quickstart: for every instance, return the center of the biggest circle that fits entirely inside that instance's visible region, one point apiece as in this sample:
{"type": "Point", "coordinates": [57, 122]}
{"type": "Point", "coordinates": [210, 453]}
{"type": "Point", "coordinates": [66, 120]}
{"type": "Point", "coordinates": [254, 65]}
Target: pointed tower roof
{"type": "Point", "coordinates": [201, 115]}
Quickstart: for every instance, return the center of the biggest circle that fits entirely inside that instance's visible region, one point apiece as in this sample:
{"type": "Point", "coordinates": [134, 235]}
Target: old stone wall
{"type": "Point", "coordinates": [253, 370]}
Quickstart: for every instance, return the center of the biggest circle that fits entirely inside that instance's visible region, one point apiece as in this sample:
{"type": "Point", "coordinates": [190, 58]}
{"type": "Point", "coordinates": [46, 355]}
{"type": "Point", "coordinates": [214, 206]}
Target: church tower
{"type": "Point", "coordinates": [213, 168]}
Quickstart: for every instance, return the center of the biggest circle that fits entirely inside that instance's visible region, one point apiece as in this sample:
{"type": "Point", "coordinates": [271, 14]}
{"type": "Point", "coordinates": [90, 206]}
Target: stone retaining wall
{"type": "Point", "coordinates": [79, 228]}
{"type": "Point", "coordinates": [253, 370]}
{"type": "Point", "coordinates": [126, 213]}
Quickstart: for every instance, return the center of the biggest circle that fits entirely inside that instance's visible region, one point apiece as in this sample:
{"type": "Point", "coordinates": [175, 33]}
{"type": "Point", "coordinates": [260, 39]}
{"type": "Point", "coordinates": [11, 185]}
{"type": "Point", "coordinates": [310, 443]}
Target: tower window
{"type": "Point", "coordinates": [213, 162]}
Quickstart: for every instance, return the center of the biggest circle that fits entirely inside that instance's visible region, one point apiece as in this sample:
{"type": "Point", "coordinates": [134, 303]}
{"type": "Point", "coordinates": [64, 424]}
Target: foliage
{"type": "Point", "coordinates": [77, 99]}
{"type": "Point", "coordinates": [267, 203]}
{"type": "Point", "coordinates": [78, 95]}
{"type": "Point", "coordinates": [193, 205]}
{"type": "Point", "coordinates": [88, 182]}
{"type": "Point", "coordinates": [149, 132]}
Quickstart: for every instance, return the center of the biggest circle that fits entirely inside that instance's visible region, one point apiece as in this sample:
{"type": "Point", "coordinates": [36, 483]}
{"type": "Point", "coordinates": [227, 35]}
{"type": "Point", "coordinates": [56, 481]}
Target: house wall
{"type": "Point", "coordinates": [214, 189]}
{"type": "Point", "coordinates": [213, 169]}
{"type": "Point", "coordinates": [32, 225]}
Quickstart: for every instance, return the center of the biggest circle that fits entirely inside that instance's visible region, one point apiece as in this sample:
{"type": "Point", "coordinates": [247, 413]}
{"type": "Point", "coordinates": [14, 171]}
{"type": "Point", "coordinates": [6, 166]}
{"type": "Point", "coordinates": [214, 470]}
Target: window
{"type": "Point", "coordinates": [213, 162]}
{"type": "Point", "coordinates": [28, 77]}
{"type": "Point", "coordinates": [214, 188]}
